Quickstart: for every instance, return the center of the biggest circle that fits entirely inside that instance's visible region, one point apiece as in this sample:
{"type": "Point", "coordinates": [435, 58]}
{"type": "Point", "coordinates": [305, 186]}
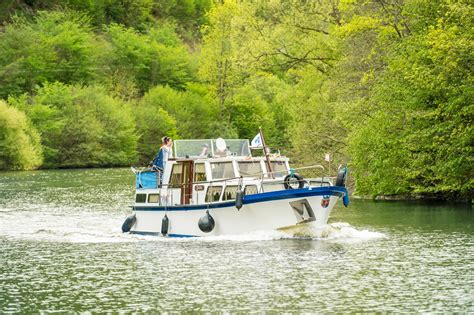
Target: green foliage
{"type": "Point", "coordinates": [152, 123]}
{"type": "Point", "coordinates": [194, 113]}
{"type": "Point", "coordinates": [149, 58]}
{"type": "Point", "coordinates": [220, 63]}
{"type": "Point", "coordinates": [81, 126]}
{"type": "Point", "coordinates": [273, 92]}
{"type": "Point", "coordinates": [314, 129]}
{"type": "Point", "coordinates": [416, 135]}
{"type": "Point", "coordinates": [54, 46]}
{"type": "Point", "coordinates": [383, 85]}
{"type": "Point", "coordinates": [20, 147]}
{"type": "Point", "coordinates": [136, 13]}
{"type": "Point", "coordinates": [188, 15]}
{"type": "Point", "coordinates": [249, 111]}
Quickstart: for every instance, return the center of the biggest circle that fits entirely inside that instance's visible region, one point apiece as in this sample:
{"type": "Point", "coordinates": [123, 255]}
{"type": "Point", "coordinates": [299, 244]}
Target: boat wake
{"type": "Point", "coordinates": [48, 226]}
{"type": "Point", "coordinates": [104, 228]}
{"type": "Point", "coordinates": [339, 232]}
{"type": "Point", "coordinates": [333, 231]}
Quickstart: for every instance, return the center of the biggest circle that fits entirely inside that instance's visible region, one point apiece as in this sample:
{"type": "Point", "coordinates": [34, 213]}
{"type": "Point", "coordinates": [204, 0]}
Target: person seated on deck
{"type": "Point", "coordinates": [205, 149]}
{"type": "Point", "coordinates": [159, 162]}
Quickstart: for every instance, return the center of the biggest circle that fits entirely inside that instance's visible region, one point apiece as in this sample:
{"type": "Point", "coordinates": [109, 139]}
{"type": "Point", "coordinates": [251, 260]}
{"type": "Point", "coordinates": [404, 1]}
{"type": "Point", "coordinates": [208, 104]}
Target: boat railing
{"type": "Point", "coordinates": [306, 181]}
{"type": "Point", "coordinates": [261, 176]}
{"type": "Point", "coordinates": [264, 179]}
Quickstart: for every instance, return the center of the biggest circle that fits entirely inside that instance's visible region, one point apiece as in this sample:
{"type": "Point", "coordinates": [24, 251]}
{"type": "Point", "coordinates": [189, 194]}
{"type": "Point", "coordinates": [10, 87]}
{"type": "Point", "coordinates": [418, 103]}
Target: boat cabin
{"type": "Point", "coordinates": [206, 171]}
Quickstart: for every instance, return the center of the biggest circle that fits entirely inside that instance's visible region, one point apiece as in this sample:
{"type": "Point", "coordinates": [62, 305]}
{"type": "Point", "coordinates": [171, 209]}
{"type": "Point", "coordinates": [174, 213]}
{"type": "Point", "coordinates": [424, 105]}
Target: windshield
{"type": "Point", "coordinates": [222, 170]}
{"type": "Point", "coordinates": [207, 148]}
{"type": "Point", "coordinates": [250, 168]}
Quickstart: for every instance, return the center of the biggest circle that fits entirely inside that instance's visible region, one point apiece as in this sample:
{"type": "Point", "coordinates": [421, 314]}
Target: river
{"type": "Point", "coordinates": [62, 251]}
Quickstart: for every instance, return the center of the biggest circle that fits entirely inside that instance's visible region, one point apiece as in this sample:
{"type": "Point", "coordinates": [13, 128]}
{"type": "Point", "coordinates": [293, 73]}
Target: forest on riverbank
{"type": "Point", "coordinates": [385, 86]}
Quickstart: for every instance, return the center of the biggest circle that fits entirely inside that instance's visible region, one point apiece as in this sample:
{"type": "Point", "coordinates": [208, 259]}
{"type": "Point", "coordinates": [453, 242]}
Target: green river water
{"type": "Point", "coordinates": [62, 251]}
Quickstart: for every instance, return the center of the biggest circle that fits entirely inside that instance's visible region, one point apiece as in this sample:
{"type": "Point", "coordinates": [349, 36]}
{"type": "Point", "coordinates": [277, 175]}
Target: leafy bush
{"type": "Point", "coordinates": [20, 147]}
{"type": "Point", "coordinates": [81, 126]}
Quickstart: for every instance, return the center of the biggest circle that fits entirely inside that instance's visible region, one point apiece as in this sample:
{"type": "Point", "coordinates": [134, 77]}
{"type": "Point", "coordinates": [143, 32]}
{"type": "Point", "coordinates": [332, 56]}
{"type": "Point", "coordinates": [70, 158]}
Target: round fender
{"type": "Point", "coordinates": [206, 223]}
{"type": "Point", "coordinates": [341, 177]}
{"type": "Point", "coordinates": [294, 181]}
{"type": "Point", "coordinates": [129, 223]}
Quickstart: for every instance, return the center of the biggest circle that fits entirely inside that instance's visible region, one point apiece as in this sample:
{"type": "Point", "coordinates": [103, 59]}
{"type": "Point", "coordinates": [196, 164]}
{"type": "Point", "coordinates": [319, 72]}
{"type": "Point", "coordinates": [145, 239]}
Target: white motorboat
{"type": "Point", "coordinates": [216, 187]}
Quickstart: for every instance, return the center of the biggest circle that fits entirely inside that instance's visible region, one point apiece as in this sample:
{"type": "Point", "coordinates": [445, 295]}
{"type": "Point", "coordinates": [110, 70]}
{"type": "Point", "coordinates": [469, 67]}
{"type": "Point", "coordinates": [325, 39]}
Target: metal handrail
{"type": "Point", "coordinates": [261, 177]}
{"type": "Point", "coordinates": [257, 175]}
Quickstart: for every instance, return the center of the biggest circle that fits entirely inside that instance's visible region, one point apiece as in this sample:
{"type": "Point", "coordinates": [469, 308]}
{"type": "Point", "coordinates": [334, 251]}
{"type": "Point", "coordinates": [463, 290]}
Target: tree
{"type": "Point", "coordinates": [150, 59]}
{"type": "Point", "coordinates": [415, 135]}
{"type": "Point", "coordinates": [55, 46]}
{"type": "Point", "coordinates": [194, 113]}
{"type": "Point", "coordinates": [20, 147]}
{"type": "Point", "coordinates": [188, 15]}
{"type": "Point", "coordinates": [81, 126]}
{"type": "Point", "coordinates": [220, 62]}
{"type": "Point", "coordinates": [249, 111]}
{"type": "Point", "coordinates": [152, 123]}
{"type": "Point", "coordinates": [136, 13]}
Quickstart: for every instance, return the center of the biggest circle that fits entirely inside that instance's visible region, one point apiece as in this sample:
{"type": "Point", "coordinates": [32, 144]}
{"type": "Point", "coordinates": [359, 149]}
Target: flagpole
{"type": "Point", "coordinates": [267, 156]}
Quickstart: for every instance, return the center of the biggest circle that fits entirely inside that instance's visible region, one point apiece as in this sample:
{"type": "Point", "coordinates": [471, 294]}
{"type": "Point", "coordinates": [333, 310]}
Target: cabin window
{"type": "Point", "coordinates": [250, 189]}
{"type": "Point", "coordinates": [199, 172]}
{"type": "Point", "coordinates": [229, 193]}
{"type": "Point", "coordinates": [176, 176]}
{"type": "Point", "coordinates": [279, 168]}
{"type": "Point", "coordinates": [213, 193]}
{"type": "Point", "coordinates": [140, 198]}
{"type": "Point", "coordinates": [250, 168]}
{"type": "Point", "coordinates": [222, 170]}
{"type": "Point", "coordinates": [153, 198]}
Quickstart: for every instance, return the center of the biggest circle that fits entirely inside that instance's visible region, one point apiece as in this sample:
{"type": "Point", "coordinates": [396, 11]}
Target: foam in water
{"type": "Point", "coordinates": [339, 231]}
{"type": "Point", "coordinates": [334, 231]}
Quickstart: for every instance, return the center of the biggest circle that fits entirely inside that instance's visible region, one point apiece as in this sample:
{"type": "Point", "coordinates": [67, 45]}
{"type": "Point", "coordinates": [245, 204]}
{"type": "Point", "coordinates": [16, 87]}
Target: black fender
{"type": "Point", "coordinates": [239, 199]}
{"type": "Point", "coordinates": [129, 223]}
{"type": "Point", "coordinates": [165, 222]}
{"type": "Point", "coordinates": [206, 223]}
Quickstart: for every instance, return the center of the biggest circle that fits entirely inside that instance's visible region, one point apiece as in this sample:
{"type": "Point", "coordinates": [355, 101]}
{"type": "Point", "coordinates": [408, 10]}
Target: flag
{"type": "Point", "coordinates": [257, 141]}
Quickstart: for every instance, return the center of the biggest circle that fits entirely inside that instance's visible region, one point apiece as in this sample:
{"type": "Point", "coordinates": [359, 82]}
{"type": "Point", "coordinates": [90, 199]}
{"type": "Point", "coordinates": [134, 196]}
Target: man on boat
{"type": "Point", "coordinates": [159, 162]}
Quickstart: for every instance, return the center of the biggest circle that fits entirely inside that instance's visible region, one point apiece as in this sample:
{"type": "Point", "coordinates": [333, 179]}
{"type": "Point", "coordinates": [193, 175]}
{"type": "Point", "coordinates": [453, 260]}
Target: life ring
{"type": "Point", "coordinates": [341, 177]}
{"type": "Point", "coordinates": [290, 181]}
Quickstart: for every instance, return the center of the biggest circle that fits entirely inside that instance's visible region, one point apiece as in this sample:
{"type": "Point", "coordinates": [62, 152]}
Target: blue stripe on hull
{"type": "Point", "coordinates": [256, 198]}
{"type": "Point", "coordinates": [159, 234]}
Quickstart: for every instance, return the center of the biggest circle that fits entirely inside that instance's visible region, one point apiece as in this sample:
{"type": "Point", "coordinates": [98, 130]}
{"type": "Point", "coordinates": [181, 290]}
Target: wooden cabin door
{"type": "Point", "coordinates": [187, 187]}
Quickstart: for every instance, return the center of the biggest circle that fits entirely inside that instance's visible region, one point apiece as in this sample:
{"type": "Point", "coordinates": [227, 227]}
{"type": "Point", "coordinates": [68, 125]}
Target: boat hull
{"type": "Point", "coordinates": [264, 211]}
